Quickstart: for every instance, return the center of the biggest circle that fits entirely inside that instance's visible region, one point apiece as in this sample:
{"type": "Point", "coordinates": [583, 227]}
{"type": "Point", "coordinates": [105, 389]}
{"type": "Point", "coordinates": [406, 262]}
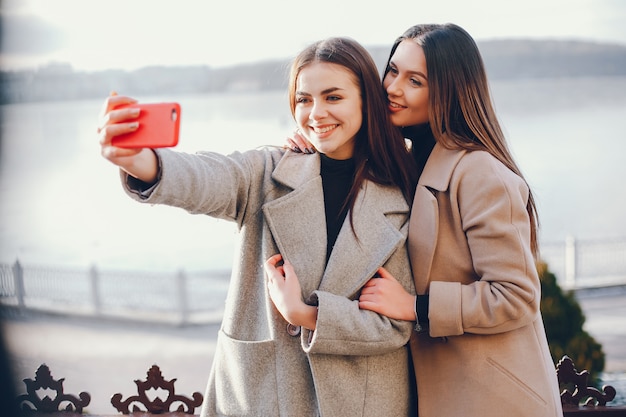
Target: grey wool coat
{"type": "Point", "coordinates": [356, 361]}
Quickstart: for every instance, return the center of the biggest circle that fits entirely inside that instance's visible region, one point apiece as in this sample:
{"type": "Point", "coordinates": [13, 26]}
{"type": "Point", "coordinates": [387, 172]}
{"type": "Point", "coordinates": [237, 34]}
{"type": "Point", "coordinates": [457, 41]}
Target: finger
{"type": "Point", "coordinates": [112, 152]}
{"type": "Point", "coordinates": [113, 101]}
{"type": "Point", "coordinates": [293, 146]}
{"type": "Point", "coordinates": [110, 103]}
{"type": "Point", "coordinates": [274, 260]}
{"type": "Point", "coordinates": [109, 132]}
{"type": "Point", "coordinates": [271, 266]}
{"type": "Point", "coordinates": [297, 140]}
{"type": "Point", "coordinates": [370, 296]}
{"type": "Point", "coordinates": [302, 142]}
{"type": "Point", "coordinates": [369, 285]}
{"type": "Point", "coordinates": [288, 267]}
{"type": "Point", "coordinates": [367, 305]}
{"type": "Point", "coordinates": [383, 273]}
{"type": "Point", "coordinates": [109, 116]}
{"type": "Point", "coordinates": [117, 116]}
{"type": "Point", "coordinates": [366, 296]}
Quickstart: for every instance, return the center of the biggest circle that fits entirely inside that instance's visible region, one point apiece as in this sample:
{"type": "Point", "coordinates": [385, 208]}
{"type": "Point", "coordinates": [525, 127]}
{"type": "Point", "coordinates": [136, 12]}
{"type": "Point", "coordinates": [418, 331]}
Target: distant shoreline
{"type": "Point", "coordinates": [505, 60]}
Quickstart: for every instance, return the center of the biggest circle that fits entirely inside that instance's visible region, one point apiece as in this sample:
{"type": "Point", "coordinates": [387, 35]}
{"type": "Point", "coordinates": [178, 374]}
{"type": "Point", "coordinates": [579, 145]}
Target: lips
{"type": "Point", "coordinates": [320, 130]}
{"type": "Point", "coordinates": [395, 107]}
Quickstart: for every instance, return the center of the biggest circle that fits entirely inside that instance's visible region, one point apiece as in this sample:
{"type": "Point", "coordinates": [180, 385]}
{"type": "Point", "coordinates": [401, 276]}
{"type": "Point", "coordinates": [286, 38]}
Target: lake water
{"type": "Point", "coordinates": [61, 203]}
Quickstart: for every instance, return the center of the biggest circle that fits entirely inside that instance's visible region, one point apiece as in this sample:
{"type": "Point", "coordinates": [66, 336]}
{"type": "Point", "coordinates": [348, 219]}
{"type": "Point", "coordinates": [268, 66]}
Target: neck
{"type": "Point", "coordinates": [417, 132]}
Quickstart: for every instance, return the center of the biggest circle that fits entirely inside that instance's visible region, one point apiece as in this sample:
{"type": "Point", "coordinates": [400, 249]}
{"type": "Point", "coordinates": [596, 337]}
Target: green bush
{"type": "Point", "coordinates": [564, 319]}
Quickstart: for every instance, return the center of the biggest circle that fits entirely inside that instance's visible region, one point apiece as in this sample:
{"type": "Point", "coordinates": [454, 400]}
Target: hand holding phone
{"type": "Point", "coordinates": [159, 125]}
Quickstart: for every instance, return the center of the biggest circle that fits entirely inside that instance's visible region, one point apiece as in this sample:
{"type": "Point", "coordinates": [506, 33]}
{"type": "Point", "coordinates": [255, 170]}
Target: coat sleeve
{"type": "Point", "coordinates": [208, 183]}
{"type": "Point", "coordinates": [490, 202]}
{"type": "Point", "coordinates": [345, 329]}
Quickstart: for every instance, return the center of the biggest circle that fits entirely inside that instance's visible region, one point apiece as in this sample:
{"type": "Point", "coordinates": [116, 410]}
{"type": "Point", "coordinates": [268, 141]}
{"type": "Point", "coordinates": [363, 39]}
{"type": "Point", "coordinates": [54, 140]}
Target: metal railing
{"type": "Point", "coordinates": [179, 297]}
{"type": "Point", "coordinates": [586, 263]}
{"type": "Point", "coordinates": [184, 297]}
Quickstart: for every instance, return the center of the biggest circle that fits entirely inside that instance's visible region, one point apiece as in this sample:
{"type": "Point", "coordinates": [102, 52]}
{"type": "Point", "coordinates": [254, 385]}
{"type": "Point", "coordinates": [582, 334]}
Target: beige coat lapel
{"type": "Point", "coordinates": [424, 222]}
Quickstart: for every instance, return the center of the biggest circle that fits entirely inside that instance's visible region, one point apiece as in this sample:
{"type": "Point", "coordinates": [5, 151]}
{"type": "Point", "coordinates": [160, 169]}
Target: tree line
{"type": "Point", "coordinates": [504, 59]}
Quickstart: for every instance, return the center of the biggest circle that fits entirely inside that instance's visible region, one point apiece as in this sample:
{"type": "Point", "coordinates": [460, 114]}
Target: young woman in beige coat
{"type": "Point", "coordinates": [479, 348]}
{"type": "Point", "coordinates": [313, 353]}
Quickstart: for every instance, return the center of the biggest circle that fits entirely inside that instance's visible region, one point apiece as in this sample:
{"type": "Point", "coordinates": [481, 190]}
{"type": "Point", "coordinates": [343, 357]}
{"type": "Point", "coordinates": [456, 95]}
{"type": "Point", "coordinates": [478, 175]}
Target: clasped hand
{"type": "Point", "coordinates": [286, 294]}
{"type": "Point", "coordinates": [385, 295]}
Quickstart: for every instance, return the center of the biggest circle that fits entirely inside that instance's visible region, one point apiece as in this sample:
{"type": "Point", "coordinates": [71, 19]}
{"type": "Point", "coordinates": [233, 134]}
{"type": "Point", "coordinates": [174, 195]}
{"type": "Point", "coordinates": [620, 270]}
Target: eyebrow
{"type": "Point", "coordinates": [326, 91]}
{"type": "Point", "coordinates": [421, 74]}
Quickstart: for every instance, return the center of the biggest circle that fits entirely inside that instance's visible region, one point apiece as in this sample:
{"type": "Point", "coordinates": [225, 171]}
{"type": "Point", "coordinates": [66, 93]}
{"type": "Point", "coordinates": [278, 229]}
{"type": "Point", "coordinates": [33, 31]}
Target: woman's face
{"type": "Point", "coordinates": [406, 83]}
{"type": "Point", "coordinates": [328, 108]}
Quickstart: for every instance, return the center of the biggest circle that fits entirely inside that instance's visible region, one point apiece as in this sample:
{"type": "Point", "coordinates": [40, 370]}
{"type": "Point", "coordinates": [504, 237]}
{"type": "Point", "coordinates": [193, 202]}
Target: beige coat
{"type": "Point", "coordinates": [356, 362]}
{"type": "Point", "coordinates": [487, 353]}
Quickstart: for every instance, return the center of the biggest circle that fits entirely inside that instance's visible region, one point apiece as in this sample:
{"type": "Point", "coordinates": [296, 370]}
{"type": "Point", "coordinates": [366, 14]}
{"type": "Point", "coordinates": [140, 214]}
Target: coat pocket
{"type": "Point", "coordinates": [515, 389]}
{"type": "Point", "coordinates": [245, 377]}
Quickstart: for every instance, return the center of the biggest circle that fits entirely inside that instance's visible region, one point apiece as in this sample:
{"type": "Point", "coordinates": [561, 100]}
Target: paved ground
{"type": "Point", "coordinates": [104, 357]}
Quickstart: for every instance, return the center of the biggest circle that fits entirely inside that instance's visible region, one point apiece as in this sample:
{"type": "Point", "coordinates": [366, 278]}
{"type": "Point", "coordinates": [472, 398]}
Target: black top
{"type": "Point", "coordinates": [423, 143]}
{"type": "Point", "coordinates": [337, 179]}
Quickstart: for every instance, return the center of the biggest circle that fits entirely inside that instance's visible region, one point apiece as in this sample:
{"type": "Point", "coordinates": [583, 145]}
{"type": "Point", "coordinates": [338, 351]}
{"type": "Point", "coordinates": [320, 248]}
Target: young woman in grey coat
{"type": "Point", "coordinates": [300, 347]}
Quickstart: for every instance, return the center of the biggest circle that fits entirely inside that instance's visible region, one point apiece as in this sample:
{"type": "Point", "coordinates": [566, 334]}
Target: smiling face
{"type": "Point", "coordinates": [406, 83]}
{"type": "Point", "coordinates": [328, 108]}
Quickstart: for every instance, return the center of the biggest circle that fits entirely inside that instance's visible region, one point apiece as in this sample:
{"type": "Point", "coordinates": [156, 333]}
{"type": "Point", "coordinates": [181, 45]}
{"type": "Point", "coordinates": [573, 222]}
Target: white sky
{"type": "Point", "coordinates": [128, 34]}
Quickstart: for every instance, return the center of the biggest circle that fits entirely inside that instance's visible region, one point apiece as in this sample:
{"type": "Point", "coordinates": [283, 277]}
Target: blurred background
{"type": "Point", "coordinates": [73, 244]}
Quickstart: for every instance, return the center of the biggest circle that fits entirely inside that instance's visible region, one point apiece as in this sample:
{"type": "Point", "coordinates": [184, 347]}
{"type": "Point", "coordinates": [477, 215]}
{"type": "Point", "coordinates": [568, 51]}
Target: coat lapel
{"type": "Point", "coordinates": [424, 224]}
{"type": "Point", "coordinates": [297, 219]}
{"type": "Point", "coordinates": [355, 259]}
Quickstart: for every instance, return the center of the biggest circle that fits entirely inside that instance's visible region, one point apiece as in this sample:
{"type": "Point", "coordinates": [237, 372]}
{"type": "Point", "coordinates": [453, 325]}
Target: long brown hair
{"type": "Point", "coordinates": [380, 153]}
{"type": "Point", "coordinates": [461, 113]}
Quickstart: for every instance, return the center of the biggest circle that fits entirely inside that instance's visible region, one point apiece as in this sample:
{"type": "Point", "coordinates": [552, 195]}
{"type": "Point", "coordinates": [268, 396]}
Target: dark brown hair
{"type": "Point", "coordinates": [380, 152]}
{"type": "Point", "coordinates": [461, 113]}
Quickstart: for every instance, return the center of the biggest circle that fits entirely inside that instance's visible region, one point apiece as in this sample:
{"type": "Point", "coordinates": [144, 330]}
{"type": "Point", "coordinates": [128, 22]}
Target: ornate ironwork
{"type": "Point", "coordinates": [155, 381]}
{"type": "Point", "coordinates": [43, 380]}
{"type": "Point", "coordinates": [576, 389]}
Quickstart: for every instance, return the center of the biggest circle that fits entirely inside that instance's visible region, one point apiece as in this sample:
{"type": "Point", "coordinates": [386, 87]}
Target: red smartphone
{"type": "Point", "coordinates": [159, 124]}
